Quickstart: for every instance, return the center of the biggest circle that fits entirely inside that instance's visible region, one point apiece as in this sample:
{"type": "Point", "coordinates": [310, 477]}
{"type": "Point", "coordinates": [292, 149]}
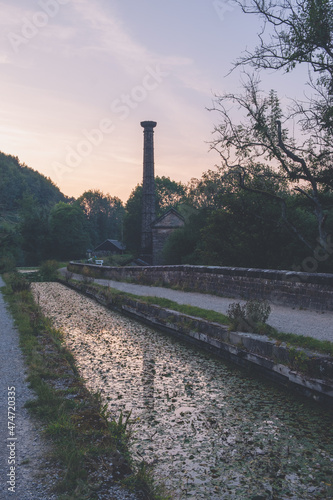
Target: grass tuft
{"type": "Point", "coordinates": [114, 295]}
{"type": "Point", "coordinates": [84, 438]}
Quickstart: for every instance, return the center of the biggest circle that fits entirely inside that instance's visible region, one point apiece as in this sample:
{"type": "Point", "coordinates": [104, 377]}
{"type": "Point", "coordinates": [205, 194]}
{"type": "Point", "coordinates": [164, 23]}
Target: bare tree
{"type": "Point", "coordinates": [259, 146]}
{"type": "Point", "coordinates": [293, 32]}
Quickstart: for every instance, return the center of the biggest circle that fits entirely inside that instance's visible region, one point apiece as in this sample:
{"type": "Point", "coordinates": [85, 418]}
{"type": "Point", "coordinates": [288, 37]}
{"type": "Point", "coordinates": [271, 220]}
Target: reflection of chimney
{"type": "Point", "coordinates": [148, 191]}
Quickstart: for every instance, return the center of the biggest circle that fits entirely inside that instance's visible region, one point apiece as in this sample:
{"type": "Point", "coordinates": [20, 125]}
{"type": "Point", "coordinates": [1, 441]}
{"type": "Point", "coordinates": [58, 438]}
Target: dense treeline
{"type": "Point", "coordinates": [168, 194]}
{"type": "Point", "coordinates": [230, 226]}
{"type": "Point", "coordinates": [37, 222]}
{"type": "Point", "coordinates": [18, 181]}
{"type": "Point", "coordinates": [269, 205]}
{"type": "Point", "coordinates": [225, 224]}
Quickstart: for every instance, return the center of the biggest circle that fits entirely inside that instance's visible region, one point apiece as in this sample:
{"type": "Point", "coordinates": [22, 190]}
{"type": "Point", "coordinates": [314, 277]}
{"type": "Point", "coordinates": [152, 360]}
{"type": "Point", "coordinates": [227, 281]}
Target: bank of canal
{"type": "Point", "coordinates": [209, 430]}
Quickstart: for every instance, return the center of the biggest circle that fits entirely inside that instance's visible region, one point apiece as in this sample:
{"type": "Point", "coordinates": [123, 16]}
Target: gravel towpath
{"type": "Point", "coordinates": [25, 449]}
{"type": "Point", "coordinates": [285, 319]}
{"type": "Point", "coordinates": [35, 475]}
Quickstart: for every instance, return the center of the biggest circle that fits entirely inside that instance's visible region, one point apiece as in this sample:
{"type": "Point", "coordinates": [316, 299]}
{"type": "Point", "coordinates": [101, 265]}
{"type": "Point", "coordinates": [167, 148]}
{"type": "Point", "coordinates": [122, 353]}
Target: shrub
{"type": "Point", "coordinates": [257, 311]}
{"type": "Point", "coordinates": [251, 317]}
{"type": "Point", "coordinates": [68, 275]}
{"type": "Point", "coordinates": [7, 264]}
{"type": "Point", "coordinates": [87, 275]}
{"type": "Point", "coordinates": [18, 282]}
{"type": "Point", "coordinates": [48, 270]}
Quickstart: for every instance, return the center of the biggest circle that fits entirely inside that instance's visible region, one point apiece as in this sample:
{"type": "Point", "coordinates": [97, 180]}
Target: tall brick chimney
{"type": "Point", "coordinates": [148, 192]}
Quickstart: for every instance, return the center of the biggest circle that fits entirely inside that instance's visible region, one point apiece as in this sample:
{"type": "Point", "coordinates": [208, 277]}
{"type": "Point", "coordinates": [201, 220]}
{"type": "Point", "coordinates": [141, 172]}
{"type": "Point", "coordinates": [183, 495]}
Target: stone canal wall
{"type": "Point", "coordinates": [292, 289]}
{"type": "Point", "coordinates": [310, 374]}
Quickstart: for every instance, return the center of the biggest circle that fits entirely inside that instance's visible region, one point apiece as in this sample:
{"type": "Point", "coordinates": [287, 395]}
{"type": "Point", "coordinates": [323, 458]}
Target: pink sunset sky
{"type": "Point", "coordinates": [78, 77]}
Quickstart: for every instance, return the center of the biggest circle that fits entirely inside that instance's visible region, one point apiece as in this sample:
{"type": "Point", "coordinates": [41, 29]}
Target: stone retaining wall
{"type": "Point", "coordinates": [310, 374]}
{"type": "Point", "coordinates": [302, 290]}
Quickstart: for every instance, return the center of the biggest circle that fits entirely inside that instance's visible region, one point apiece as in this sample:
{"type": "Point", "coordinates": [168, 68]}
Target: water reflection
{"type": "Point", "coordinates": [148, 379]}
{"type": "Point", "coordinates": [209, 430]}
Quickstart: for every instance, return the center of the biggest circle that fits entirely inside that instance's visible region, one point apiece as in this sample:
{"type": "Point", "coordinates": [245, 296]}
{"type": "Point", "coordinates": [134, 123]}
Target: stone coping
{"type": "Point", "coordinates": [268, 274]}
{"type": "Point", "coordinates": [308, 373]}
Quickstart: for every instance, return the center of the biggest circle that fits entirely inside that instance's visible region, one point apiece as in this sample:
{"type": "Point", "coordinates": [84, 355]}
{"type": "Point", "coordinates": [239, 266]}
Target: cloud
{"type": "Point", "coordinates": [4, 59]}
{"type": "Point", "coordinates": [111, 37]}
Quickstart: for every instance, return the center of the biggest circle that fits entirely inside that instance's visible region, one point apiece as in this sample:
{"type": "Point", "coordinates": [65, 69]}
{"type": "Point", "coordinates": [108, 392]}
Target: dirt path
{"type": "Point", "coordinates": [21, 443]}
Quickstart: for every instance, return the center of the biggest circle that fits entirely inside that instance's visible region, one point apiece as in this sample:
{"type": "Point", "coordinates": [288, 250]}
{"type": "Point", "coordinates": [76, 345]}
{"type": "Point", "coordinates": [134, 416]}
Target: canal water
{"type": "Point", "coordinates": [208, 429]}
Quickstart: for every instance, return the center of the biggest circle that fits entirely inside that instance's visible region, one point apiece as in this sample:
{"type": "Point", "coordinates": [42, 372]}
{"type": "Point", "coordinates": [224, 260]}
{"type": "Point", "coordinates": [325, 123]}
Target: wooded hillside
{"type": "Point", "coordinates": [17, 181]}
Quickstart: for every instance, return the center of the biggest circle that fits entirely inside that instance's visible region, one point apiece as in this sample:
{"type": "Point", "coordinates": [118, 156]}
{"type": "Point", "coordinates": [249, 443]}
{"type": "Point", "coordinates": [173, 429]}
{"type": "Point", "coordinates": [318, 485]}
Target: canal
{"type": "Point", "coordinates": [208, 429]}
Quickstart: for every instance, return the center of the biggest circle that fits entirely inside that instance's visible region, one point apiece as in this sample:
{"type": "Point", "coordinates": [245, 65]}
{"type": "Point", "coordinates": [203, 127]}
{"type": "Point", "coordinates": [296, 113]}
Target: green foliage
{"type": "Point", "coordinates": [87, 275]}
{"type": "Point", "coordinates": [34, 230]}
{"type": "Point", "coordinates": [249, 317]}
{"type": "Point", "coordinates": [48, 270]}
{"type": "Point", "coordinates": [83, 439]}
{"type": "Point", "coordinates": [10, 242]}
{"type": "Point", "coordinates": [181, 245]}
{"type": "Point", "coordinates": [18, 282]}
{"type": "Point", "coordinates": [17, 180]}
{"type": "Point", "coordinates": [26, 199]}
{"type": "Point", "coordinates": [198, 312]}
{"type": "Point", "coordinates": [68, 231]}
{"type": "Point", "coordinates": [303, 341]}
{"type": "Point", "coordinates": [298, 359]}
{"type": "Point", "coordinates": [238, 227]}
{"type": "Point", "coordinates": [133, 221]}
{"type": "Point", "coordinates": [7, 264]}
{"type": "Point", "coordinates": [118, 260]}
{"type": "Point", "coordinates": [168, 194]}
{"type": "Point", "coordinates": [104, 215]}
{"type": "Point", "coordinates": [293, 33]}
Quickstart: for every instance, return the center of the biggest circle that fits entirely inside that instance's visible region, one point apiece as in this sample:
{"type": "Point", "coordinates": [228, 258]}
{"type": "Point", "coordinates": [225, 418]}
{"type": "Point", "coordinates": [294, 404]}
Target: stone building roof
{"type": "Point", "coordinates": [170, 219]}
{"type": "Point", "coordinates": [110, 245]}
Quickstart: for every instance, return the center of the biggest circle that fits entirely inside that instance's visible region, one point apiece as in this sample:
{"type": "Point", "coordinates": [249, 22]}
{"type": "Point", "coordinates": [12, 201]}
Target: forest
{"type": "Point", "coordinates": [225, 224]}
{"type": "Point", "coordinates": [269, 203]}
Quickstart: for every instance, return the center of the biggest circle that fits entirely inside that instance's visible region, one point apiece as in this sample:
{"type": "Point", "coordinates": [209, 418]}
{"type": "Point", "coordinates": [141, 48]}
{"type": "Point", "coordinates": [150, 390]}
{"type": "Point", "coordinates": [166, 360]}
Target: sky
{"type": "Point", "coordinates": [78, 77]}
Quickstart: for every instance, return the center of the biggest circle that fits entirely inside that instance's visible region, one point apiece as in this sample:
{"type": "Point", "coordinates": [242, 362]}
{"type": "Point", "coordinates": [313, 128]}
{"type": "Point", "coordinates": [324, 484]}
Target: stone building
{"type": "Point", "coordinates": [161, 230]}
{"type": "Point", "coordinates": [154, 232]}
{"type": "Point", "coordinates": [148, 191]}
{"type": "Point", "coordinates": [110, 247]}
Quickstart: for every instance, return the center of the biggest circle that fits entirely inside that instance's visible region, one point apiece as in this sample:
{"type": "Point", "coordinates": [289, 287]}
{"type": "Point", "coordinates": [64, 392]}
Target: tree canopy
{"type": "Point", "coordinates": [17, 180]}
{"type": "Point", "coordinates": [169, 194]}
{"type": "Point", "coordinates": [260, 142]}
{"type": "Point", "coordinates": [68, 231]}
{"type": "Point", "coordinates": [104, 214]}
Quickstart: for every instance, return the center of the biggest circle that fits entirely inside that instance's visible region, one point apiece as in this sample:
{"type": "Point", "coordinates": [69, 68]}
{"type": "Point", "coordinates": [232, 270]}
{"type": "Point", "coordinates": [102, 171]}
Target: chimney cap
{"type": "Point", "coordinates": [148, 124]}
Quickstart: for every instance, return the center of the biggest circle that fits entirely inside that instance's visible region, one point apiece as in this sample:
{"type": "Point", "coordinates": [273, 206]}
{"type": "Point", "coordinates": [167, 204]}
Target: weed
{"type": "Point", "coordinates": [87, 275]}
{"type": "Point", "coordinates": [304, 341]}
{"type": "Point", "coordinates": [298, 359]}
{"type": "Point", "coordinates": [48, 270]}
{"type": "Point", "coordinates": [7, 264]}
{"type": "Point", "coordinates": [68, 275]}
{"type": "Point", "coordinates": [83, 437]}
{"type": "Point", "coordinates": [117, 299]}
{"type": "Point", "coordinates": [250, 317]}
{"type": "Point", "coordinates": [18, 282]}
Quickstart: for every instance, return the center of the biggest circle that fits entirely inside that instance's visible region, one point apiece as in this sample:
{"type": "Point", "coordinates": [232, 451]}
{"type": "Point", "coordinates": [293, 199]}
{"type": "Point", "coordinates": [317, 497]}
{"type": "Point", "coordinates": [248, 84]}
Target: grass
{"type": "Point", "coordinates": [198, 312]}
{"type": "Point", "coordinates": [206, 314]}
{"type": "Point", "coordinates": [310, 343]}
{"type": "Point", "coordinates": [302, 341]}
{"type": "Point", "coordinates": [84, 439]}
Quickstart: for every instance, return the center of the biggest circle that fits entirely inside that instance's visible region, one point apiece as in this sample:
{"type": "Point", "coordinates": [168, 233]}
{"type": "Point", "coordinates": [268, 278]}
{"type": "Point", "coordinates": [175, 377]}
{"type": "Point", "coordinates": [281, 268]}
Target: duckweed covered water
{"type": "Point", "coordinates": [209, 430]}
